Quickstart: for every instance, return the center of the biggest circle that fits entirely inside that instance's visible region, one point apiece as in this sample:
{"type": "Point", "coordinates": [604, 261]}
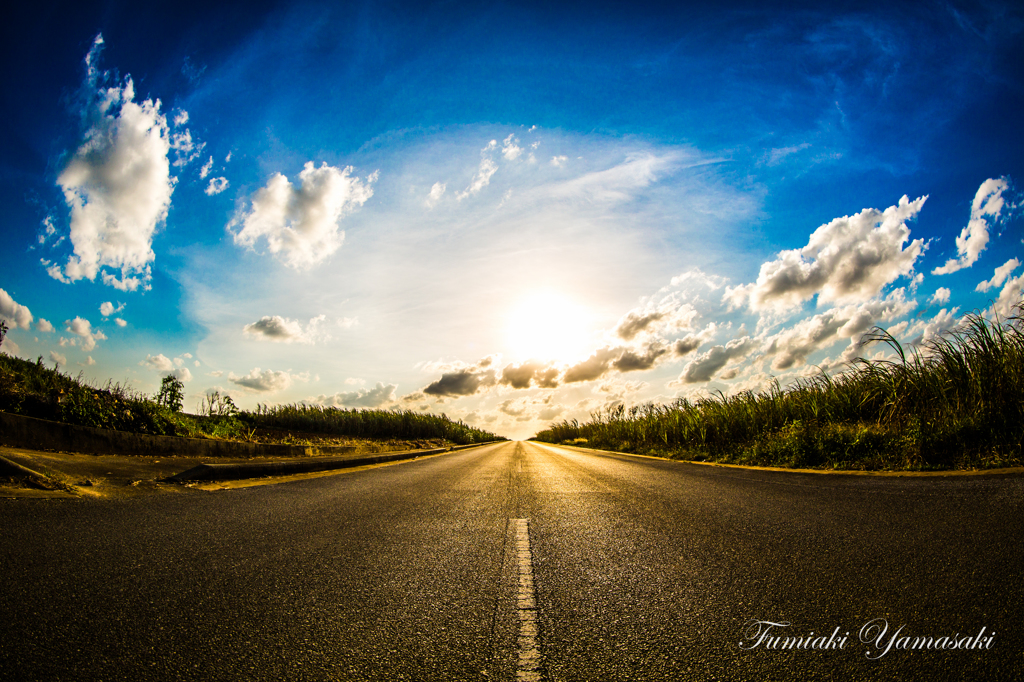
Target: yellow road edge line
{"type": "Point", "coordinates": [214, 486]}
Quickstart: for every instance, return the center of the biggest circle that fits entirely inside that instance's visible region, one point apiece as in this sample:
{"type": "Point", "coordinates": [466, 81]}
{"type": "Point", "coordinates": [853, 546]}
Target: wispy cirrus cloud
{"type": "Point", "coordinates": [488, 167]}
{"type": "Point", "coordinates": [619, 183]}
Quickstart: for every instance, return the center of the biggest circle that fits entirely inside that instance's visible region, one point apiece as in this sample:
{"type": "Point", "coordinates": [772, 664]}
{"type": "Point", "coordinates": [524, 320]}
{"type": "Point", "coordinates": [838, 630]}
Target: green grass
{"type": "Point", "coordinates": [34, 390]}
{"type": "Point", "coordinates": [958, 403]}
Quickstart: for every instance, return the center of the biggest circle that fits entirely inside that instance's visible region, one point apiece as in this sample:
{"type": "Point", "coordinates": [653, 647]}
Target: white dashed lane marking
{"type": "Point", "coordinates": [528, 666]}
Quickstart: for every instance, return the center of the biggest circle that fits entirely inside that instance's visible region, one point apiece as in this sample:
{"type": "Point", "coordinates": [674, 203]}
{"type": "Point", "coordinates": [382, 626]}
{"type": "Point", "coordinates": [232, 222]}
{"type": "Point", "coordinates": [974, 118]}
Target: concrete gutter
{"type": "Point", "coordinates": [13, 469]}
{"type": "Point", "coordinates": [234, 472]}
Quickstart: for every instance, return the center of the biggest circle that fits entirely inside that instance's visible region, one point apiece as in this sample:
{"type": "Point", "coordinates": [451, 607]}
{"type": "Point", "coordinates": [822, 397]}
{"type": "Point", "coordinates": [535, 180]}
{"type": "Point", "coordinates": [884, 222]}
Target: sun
{"type": "Point", "coordinates": [548, 326]}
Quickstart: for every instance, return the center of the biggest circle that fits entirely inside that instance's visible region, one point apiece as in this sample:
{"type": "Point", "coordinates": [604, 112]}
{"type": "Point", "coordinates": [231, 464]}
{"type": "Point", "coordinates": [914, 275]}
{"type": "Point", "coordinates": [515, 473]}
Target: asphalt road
{"type": "Point", "coordinates": [642, 570]}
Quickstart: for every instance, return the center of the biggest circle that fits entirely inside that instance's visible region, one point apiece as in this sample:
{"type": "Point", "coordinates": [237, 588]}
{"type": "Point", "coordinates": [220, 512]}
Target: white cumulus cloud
{"type": "Point", "coordinates": [160, 363]}
{"type": "Point", "coordinates": [792, 346]}
{"type": "Point", "coordinates": [924, 331]}
{"type": "Point", "coordinates": [12, 312]}
{"type": "Point", "coordinates": [381, 394]}
{"type": "Point", "coordinates": [706, 365]}
{"type": "Point", "coordinates": [186, 150]}
{"type": "Point", "coordinates": [510, 148]}
{"type": "Point", "coordinates": [942, 295]}
{"type": "Point", "coordinates": [285, 330]}
{"type": "Point", "coordinates": [1000, 275]}
{"type": "Point", "coordinates": [1009, 296]}
{"type": "Point", "coordinates": [107, 308]}
{"type": "Point", "coordinates": [301, 225]}
{"type": "Point", "coordinates": [987, 205]}
{"type": "Point", "coordinates": [117, 185]}
{"type": "Point", "coordinates": [216, 186]}
{"type": "Point", "coordinates": [849, 260]}
{"type": "Point", "coordinates": [83, 329]}
{"type": "Point", "coordinates": [262, 381]}
{"type": "Point", "coordinates": [182, 374]}
{"type": "Point", "coordinates": [436, 192]}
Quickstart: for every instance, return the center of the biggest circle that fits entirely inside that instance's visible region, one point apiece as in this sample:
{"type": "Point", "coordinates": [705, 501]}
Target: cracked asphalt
{"type": "Point", "coordinates": [643, 569]}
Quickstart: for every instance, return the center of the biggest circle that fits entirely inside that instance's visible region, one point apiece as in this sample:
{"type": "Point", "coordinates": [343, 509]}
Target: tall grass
{"type": "Point", "coordinates": [34, 390]}
{"type": "Point", "coordinates": [402, 424]}
{"type": "Point", "coordinates": [958, 402]}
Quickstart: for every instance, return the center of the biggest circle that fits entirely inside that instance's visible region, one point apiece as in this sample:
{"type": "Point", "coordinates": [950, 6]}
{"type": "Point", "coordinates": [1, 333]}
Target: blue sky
{"type": "Point", "coordinates": [512, 215]}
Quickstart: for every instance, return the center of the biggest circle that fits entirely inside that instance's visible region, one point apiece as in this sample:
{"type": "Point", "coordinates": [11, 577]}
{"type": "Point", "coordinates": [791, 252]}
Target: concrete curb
{"type": "Point", "coordinates": [234, 472]}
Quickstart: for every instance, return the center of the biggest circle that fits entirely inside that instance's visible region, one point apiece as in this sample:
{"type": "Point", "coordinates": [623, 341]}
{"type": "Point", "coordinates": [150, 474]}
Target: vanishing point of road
{"type": "Point", "coordinates": [519, 561]}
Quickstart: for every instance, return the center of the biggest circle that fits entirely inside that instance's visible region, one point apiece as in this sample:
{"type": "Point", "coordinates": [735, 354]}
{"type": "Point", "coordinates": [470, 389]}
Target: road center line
{"type": "Point", "coordinates": [528, 666]}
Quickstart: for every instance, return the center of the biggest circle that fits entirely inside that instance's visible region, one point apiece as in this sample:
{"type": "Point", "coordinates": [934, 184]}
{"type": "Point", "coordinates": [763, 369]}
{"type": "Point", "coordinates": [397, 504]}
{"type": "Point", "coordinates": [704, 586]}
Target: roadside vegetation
{"type": "Point", "coordinates": [956, 403]}
{"type": "Point", "coordinates": [34, 390]}
{"type": "Point", "coordinates": [373, 424]}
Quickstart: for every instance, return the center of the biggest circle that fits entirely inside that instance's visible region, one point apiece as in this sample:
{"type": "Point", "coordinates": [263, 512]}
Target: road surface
{"type": "Point", "coordinates": [522, 561]}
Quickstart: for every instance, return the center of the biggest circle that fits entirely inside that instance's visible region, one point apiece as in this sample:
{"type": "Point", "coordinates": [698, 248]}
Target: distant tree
{"type": "Point", "coordinates": [3, 331]}
{"type": "Point", "coordinates": [172, 393]}
{"type": "Point", "coordinates": [217, 405]}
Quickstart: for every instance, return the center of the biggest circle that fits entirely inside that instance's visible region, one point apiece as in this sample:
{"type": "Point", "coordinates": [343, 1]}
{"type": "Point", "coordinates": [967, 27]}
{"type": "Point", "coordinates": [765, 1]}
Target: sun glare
{"type": "Point", "coordinates": [548, 326]}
